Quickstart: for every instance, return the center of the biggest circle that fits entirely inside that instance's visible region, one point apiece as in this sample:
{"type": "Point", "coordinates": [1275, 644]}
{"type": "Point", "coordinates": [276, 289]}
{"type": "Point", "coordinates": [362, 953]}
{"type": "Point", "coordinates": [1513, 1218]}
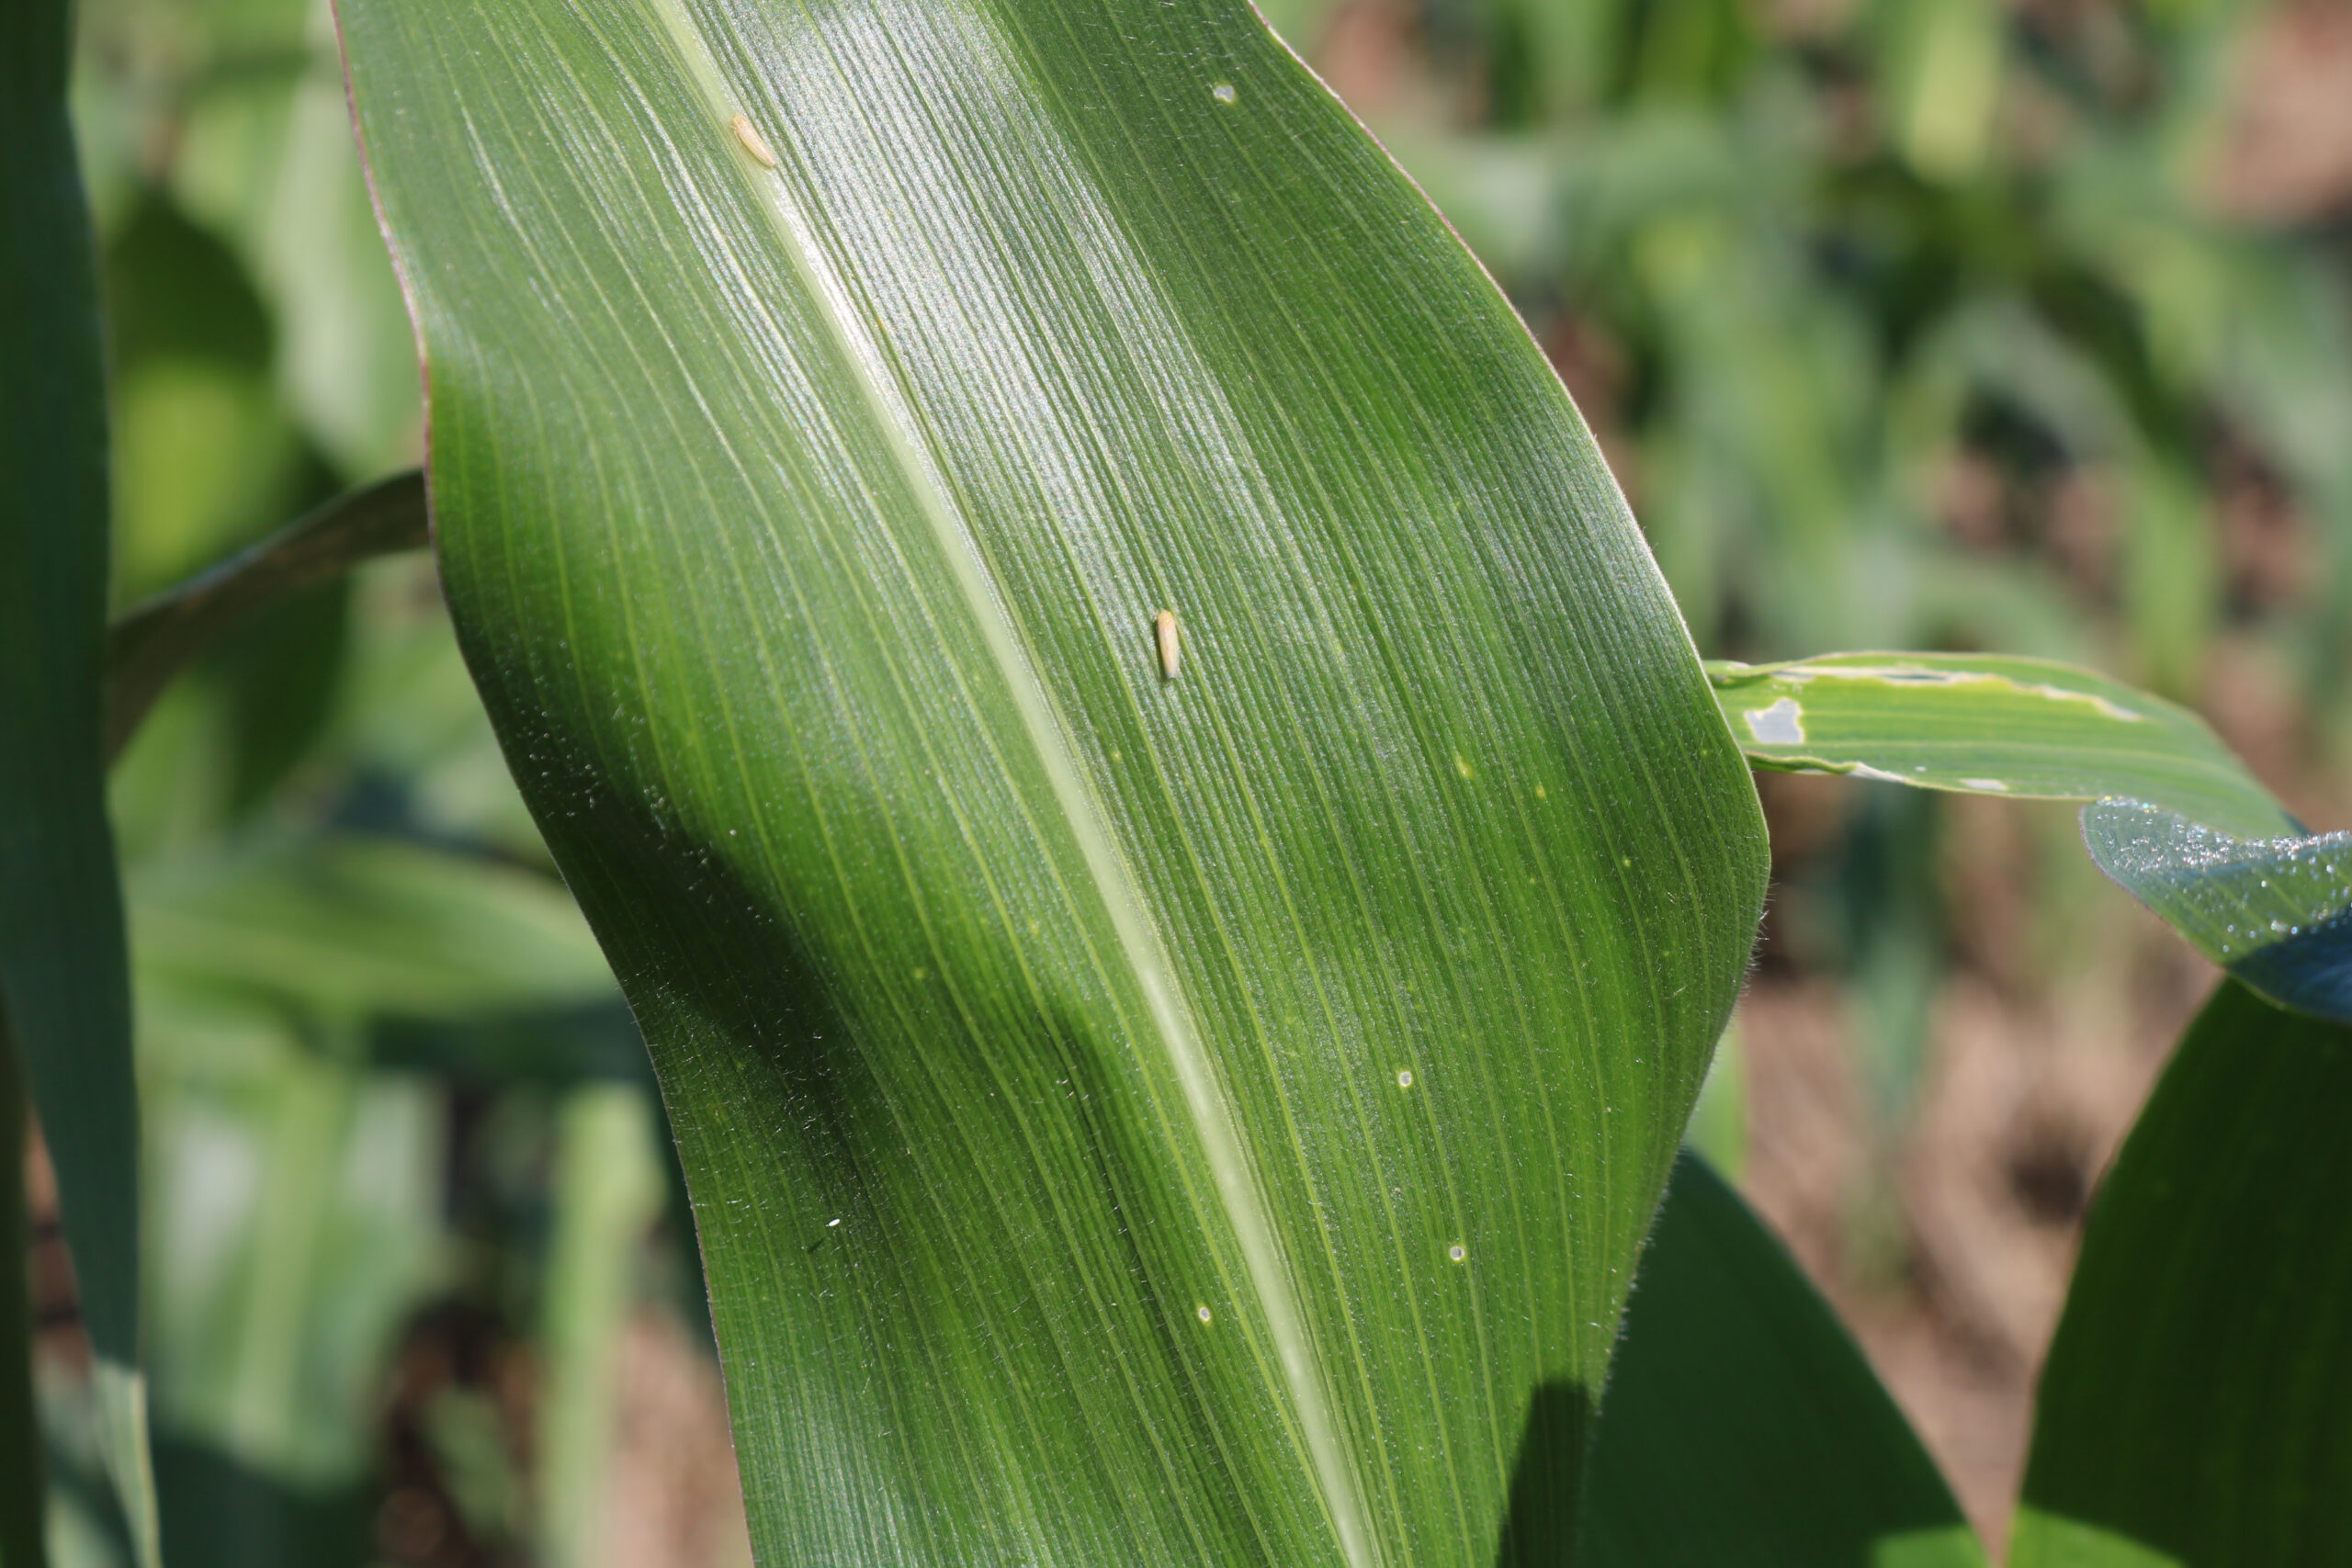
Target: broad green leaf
{"type": "Point", "coordinates": [63, 980]}
{"type": "Point", "coordinates": [2191, 1413]}
{"type": "Point", "coordinates": [1990, 725]}
{"type": "Point", "coordinates": [1135, 1112]}
{"type": "Point", "coordinates": [1741, 1424]}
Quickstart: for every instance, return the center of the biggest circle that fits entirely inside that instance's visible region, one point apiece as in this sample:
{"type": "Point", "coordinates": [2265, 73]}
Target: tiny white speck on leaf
{"type": "Point", "coordinates": [1223, 92]}
{"type": "Point", "coordinates": [831, 1223]}
{"type": "Point", "coordinates": [1405, 1077]}
{"type": "Point", "coordinates": [1203, 1312]}
{"type": "Point", "coordinates": [1457, 1252]}
{"type": "Point", "coordinates": [1462, 765]}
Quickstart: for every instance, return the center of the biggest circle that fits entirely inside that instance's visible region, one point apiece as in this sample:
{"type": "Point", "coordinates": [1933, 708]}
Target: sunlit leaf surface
{"type": "Point", "coordinates": [1139, 1109]}
{"type": "Point", "coordinates": [2191, 1412]}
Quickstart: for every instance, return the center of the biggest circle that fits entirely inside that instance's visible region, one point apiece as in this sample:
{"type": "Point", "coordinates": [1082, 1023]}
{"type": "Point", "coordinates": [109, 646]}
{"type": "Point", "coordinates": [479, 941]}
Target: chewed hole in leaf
{"type": "Point", "coordinates": [1782, 724]}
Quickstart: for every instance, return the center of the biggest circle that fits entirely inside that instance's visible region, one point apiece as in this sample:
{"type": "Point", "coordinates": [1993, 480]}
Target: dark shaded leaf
{"type": "Point", "coordinates": [1742, 1424]}
{"type": "Point", "coordinates": [2192, 1409]}
{"type": "Point", "coordinates": [63, 978]}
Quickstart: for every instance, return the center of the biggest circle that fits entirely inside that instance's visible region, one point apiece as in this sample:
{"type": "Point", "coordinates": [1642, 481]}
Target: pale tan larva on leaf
{"type": "Point", "coordinates": [1172, 651]}
{"type": "Point", "coordinates": [753, 142]}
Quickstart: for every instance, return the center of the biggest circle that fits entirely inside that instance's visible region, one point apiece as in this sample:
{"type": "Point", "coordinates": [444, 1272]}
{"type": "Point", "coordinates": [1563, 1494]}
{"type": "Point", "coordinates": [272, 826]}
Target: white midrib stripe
{"type": "Point", "coordinates": [1139, 944]}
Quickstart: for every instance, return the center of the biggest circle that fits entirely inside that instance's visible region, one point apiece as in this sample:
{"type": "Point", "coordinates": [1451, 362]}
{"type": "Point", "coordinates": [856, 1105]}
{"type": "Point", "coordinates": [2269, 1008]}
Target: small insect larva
{"type": "Point", "coordinates": [753, 142]}
{"type": "Point", "coordinates": [1172, 651]}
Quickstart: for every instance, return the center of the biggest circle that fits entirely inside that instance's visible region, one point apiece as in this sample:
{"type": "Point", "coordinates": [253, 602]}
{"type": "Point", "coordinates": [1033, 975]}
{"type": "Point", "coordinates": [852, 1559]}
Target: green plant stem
{"type": "Point", "coordinates": [150, 644]}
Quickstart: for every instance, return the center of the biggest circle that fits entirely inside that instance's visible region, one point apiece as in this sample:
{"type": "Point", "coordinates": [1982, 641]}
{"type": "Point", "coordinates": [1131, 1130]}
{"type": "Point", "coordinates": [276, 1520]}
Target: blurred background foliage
{"type": "Point", "coordinates": [1930, 324]}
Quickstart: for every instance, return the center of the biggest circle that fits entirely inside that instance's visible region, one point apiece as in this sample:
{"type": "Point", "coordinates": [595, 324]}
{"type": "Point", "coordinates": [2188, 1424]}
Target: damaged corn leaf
{"type": "Point", "coordinates": [2172, 815]}
{"type": "Point", "coordinates": [1983, 724]}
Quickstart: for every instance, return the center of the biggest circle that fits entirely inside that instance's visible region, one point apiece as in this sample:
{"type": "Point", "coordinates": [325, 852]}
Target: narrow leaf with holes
{"type": "Point", "coordinates": [2172, 815]}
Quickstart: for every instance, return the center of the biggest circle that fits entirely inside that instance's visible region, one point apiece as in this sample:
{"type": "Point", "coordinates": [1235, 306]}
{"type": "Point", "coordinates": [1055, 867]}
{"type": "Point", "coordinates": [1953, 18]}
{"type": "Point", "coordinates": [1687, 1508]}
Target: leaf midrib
{"type": "Point", "coordinates": [1220, 1140]}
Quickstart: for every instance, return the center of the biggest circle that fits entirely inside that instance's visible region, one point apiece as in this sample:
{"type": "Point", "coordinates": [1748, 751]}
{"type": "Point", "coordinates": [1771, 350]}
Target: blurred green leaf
{"type": "Point", "coordinates": [237, 109]}
{"type": "Point", "coordinates": [2191, 1412]}
{"type": "Point", "coordinates": [63, 971]}
{"type": "Point", "coordinates": [608, 1187]}
{"type": "Point", "coordinates": [1743, 1426]}
{"type": "Point", "coordinates": [205, 457]}
{"type": "Point", "coordinates": [297, 1211]}
{"type": "Point", "coordinates": [1133, 1116]}
{"type": "Point", "coordinates": [1990, 725]}
{"type": "Point", "coordinates": [347, 928]}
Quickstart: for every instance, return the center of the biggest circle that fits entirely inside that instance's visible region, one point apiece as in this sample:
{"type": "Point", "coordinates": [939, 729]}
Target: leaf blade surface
{"type": "Point", "coordinates": [2171, 814]}
{"type": "Point", "coordinates": [2191, 1409]}
{"type": "Point", "coordinates": [1131, 1118]}
{"type": "Point", "coordinates": [64, 977]}
{"type": "Point", "coordinates": [1742, 1425]}
{"type": "Point", "coordinates": [1990, 724]}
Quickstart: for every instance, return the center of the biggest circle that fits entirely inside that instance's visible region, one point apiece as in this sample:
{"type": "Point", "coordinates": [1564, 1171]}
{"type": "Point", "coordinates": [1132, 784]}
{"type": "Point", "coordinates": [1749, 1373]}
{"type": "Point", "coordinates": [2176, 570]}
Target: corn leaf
{"type": "Point", "coordinates": [2275, 912]}
{"type": "Point", "coordinates": [1741, 1424]}
{"type": "Point", "coordinates": [2191, 1412]}
{"type": "Point", "coordinates": [21, 1499]}
{"type": "Point", "coordinates": [2172, 815]}
{"type": "Point", "coordinates": [1177, 867]}
{"type": "Point", "coordinates": [64, 980]}
{"type": "Point", "coordinates": [1987, 723]}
